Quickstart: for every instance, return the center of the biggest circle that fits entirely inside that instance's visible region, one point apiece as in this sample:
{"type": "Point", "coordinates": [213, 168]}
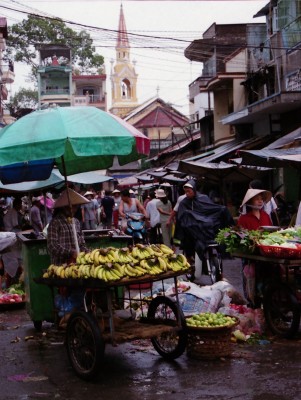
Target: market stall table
{"type": "Point", "coordinates": [281, 297]}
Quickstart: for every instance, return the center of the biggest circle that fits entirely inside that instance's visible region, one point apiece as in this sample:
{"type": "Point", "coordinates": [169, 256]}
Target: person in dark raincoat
{"type": "Point", "coordinates": [199, 220]}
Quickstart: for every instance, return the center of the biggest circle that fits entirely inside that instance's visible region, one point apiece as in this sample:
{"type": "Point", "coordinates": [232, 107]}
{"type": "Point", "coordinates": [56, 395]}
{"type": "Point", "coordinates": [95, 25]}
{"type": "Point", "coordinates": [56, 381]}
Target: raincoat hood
{"type": "Point", "coordinates": [191, 184]}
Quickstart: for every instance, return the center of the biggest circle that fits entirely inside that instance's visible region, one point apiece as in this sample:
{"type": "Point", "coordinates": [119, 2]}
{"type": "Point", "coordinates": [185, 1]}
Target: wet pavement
{"type": "Point", "coordinates": [35, 366]}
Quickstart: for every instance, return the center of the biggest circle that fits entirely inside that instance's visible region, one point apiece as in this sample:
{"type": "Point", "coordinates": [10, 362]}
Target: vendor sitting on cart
{"type": "Point", "coordinates": [60, 237]}
{"type": "Point", "coordinates": [254, 218]}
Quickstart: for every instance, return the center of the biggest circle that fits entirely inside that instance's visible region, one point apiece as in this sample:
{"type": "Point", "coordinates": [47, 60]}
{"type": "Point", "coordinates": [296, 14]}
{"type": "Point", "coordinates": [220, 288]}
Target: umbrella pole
{"type": "Point", "coordinates": [70, 205]}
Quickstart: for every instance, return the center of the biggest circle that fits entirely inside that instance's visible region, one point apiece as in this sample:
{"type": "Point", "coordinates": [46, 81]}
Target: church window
{"type": "Point", "coordinates": [126, 89]}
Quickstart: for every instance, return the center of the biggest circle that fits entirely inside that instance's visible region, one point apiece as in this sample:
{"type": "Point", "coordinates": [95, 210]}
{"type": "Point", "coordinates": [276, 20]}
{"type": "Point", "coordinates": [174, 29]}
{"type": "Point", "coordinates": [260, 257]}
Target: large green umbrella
{"type": "Point", "coordinates": [75, 139]}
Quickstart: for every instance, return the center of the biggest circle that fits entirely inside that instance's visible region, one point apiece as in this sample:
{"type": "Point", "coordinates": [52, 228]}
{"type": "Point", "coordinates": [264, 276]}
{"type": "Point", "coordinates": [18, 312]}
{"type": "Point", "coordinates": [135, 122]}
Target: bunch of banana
{"type": "Point", "coordinates": [141, 252]}
{"type": "Point", "coordinates": [177, 262]}
{"type": "Point", "coordinates": [157, 252]}
{"type": "Point", "coordinates": [83, 258]}
{"type": "Point", "coordinates": [60, 271]}
{"type": "Point", "coordinates": [165, 249]}
{"type": "Point", "coordinates": [50, 272]}
{"type": "Point", "coordinates": [124, 256]}
{"type": "Point", "coordinates": [109, 272]}
{"type": "Point", "coordinates": [134, 270]}
{"type": "Point", "coordinates": [154, 266]}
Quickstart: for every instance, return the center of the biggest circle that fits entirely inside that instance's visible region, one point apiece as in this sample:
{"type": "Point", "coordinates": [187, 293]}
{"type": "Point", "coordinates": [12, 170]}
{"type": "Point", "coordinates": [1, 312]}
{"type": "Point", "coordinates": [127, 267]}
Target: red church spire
{"type": "Point", "coordinates": [122, 39]}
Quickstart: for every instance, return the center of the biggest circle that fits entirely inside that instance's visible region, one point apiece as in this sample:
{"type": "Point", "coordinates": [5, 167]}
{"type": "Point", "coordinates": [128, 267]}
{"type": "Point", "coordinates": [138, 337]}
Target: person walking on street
{"type": "Point", "coordinates": [35, 215]}
{"type": "Point", "coordinates": [117, 200]}
{"type": "Point", "coordinates": [165, 208]}
{"type": "Point", "coordinates": [199, 220]}
{"type": "Point", "coordinates": [89, 213]}
{"type": "Point", "coordinates": [153, 216]}
{"type": "Point", "coordinates": [107, 206]}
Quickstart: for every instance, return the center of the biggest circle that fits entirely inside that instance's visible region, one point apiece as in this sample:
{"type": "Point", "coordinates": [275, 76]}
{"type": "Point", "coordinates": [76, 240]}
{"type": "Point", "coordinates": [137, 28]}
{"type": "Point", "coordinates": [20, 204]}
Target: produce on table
{"type": "Point", "coordinates": [288, 238]}
{"type": "Point", "coordinates": [239, 239]}
{"type": "Point", "coordinates": [111, 264]}
{"type": "Point", "coordinates": [211, 320]}
{"type": "Point", "coordinates": [14, 294]}
{"type": "Point", "coordinates": [17, 288]}
{"type": "Point", "coordinates": [8, 298]}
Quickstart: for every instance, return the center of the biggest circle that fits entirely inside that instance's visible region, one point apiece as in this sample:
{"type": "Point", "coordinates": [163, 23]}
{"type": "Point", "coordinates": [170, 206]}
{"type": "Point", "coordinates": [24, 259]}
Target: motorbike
{"type": "Point", "coordinates": [210, 264]}
{"type": "Point", "coordinates": [136, 228]}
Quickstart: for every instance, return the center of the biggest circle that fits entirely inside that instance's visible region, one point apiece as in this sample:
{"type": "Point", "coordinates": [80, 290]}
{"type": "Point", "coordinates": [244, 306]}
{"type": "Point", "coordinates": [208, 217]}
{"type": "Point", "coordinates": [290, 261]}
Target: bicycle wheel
{"type": "Point", "coordinates": [170, 345]}
{"type": "Point", "coordinates": [281, 310]}
{"type": "Point", "coordinates": [85, 346]}
{"type": "Point", "coordinates": [214, 268]}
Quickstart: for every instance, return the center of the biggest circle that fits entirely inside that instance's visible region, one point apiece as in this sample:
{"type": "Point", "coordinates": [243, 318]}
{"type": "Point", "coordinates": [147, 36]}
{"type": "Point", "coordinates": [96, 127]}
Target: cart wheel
{"type": "Point", "coordinates": [38, 325]}
{"type": "Point", "coordinates": [281, 310]}
{"type": "Point", "coordinates": [169, 345]}
{"type": "Point", "coordinates": [85, 346]}
{"type": "Point", "coordinates": [215, 269]}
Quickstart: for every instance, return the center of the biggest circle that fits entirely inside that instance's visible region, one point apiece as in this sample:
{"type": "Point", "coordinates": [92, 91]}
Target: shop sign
{"type": "Point", "coordinates": [293, 82]}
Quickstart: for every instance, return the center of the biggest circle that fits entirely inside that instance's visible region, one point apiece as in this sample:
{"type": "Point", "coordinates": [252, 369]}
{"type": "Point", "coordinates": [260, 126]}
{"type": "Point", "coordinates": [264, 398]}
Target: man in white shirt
{"type": "Point", "coordinates": [154, 217]}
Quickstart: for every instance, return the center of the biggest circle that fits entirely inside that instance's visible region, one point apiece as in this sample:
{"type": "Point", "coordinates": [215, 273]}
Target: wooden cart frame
{"type": "Point", "coordinates": [89, 329]}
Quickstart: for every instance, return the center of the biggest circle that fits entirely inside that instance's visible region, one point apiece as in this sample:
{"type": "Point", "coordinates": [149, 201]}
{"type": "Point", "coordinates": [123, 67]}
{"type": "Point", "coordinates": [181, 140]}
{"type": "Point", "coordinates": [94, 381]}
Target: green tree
{"type": "Point", "coordinates": [24, 37]}
{"type": "Point", "coordinates": [23, 102]}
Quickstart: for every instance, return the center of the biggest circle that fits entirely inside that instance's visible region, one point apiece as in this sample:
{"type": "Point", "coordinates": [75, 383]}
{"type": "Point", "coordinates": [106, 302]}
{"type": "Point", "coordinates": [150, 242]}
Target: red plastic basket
{"type": "Point", "coordinates": [279, 252]}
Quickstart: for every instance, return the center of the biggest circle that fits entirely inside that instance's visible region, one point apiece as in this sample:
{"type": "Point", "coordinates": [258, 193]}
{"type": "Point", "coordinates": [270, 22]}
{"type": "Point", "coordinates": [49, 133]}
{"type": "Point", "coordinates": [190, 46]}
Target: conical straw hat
{"type": "Point", "coordinates": [266, 195]}
{"type": "Point", "coordinates": [75, 199]}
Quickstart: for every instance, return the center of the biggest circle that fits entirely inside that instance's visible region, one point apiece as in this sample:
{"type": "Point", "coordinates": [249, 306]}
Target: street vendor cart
{"type": "Point", "coordinates": [90, 329]}
{"type": "Point", "coordinates": [280, 293]}
{"type": "Point", "coordinates": [39, 302]}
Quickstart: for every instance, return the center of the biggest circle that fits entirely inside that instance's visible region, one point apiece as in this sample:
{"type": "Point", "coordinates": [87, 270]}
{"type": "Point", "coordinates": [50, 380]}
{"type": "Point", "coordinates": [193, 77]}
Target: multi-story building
{"type": "Point", "coordinates": [251, 81]}
{"type": "Point", "coordinates": [57, 82]}
{"type": "Point", "coordinates": [7, 75]}
{"type": "Point", "coordinates": [223, 50]}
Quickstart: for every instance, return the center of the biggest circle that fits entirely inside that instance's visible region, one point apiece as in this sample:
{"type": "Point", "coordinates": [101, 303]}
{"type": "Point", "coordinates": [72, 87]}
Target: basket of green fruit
{"type": "Point", "coordinates": [209, 335]}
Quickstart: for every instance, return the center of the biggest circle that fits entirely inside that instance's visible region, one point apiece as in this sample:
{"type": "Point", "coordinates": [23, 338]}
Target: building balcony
{"type": "Point", "coordinates": [55, 92]}
{"type": "Point", "coordinates": [95, 100]}
{"type": "Point", "coordinates": [55, 96]}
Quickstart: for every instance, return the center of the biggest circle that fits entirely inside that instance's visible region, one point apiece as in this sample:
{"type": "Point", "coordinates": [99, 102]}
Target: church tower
{"type": "Point", "coordinates": [123, 75]}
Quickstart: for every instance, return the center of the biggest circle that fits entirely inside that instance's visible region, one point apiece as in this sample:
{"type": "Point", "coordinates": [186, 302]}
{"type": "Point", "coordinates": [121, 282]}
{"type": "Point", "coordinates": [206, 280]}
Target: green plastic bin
{"type": "Point", "coordinates": [39, 298]}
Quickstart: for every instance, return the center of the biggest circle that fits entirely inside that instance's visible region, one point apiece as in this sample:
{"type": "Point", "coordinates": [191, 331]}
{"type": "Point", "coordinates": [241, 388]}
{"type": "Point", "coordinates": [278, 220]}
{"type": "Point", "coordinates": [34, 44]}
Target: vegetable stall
{"type": "Point", "coordinates": [277, 253]}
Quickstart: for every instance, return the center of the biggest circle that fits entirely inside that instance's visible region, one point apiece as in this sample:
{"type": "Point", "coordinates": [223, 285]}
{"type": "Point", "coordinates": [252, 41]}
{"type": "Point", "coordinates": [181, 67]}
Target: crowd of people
{"type": "Point", "coordinates": [192, 220]}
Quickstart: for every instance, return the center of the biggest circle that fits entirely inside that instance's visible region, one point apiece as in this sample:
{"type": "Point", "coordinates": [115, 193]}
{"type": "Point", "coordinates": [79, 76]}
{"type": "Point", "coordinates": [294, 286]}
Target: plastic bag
{"type": "Point", "coordinates": [7, 239]}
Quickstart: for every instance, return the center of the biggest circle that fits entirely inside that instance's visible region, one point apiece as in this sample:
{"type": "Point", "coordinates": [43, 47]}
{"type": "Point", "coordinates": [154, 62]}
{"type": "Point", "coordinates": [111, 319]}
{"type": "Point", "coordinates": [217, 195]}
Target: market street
{"type": "Point", "coordinates": [35, 366]}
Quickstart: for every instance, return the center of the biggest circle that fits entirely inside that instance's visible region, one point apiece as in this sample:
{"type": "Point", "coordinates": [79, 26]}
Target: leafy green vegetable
{"type": "Point", "coordinates": [239, 239]}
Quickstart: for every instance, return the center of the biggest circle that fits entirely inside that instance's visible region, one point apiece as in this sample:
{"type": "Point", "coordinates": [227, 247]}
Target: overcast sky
{"type": "Point", "coordinates": [161, 31]}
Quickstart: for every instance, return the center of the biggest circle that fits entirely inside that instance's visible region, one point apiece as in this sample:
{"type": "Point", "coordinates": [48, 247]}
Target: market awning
{"type": "Point", "coordinates": [229, 149]}
{"type": "Point", "coordinates": [221, 171]}
{"type": "Point", "coordinates": [273, 158]}
{"type": "Point", "coordinates": [174, 180]}
{"type": "Point", "coordinates": [292, 139]}
{"type": "Point", "coordinates": [144, 178]}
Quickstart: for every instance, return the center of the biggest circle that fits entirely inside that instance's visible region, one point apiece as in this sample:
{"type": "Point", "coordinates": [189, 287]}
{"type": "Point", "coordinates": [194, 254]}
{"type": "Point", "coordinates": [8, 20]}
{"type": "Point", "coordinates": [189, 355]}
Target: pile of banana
{"type": "Point", "coordinates": [111, 264]}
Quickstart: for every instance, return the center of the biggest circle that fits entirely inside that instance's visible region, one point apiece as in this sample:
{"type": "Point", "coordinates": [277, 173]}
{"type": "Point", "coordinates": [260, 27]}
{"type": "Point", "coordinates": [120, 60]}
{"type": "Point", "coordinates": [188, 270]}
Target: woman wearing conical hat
{"type": "Point", "coordinates": [254, 218]}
